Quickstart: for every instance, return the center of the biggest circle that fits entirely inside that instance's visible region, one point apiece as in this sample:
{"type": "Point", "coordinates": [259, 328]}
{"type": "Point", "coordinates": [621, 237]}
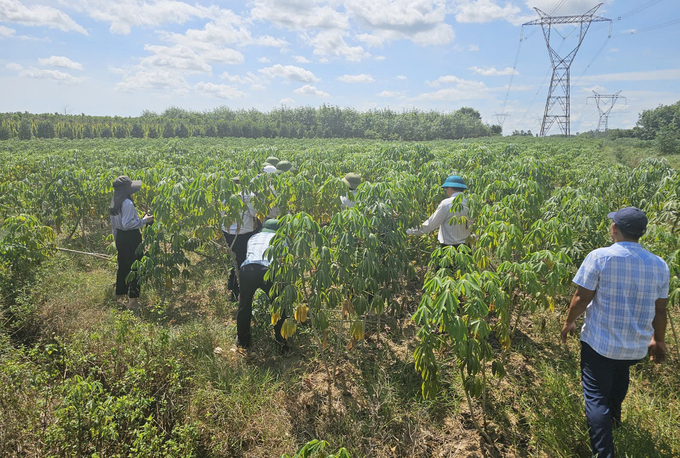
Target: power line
{"type": "Point", "coordinates": [648, 29]}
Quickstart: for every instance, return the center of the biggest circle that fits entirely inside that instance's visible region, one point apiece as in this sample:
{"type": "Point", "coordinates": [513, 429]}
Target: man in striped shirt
{"type": "Point", "coordinates": [623, 290]}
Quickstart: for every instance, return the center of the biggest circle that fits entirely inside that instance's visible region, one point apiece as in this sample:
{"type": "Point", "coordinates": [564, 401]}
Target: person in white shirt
{"type": "Point", "coordinates": [352, 180]}
{"type": "Point", "coordinates": [237, 235]}
{"type": "Point", "coordinates": [252, 274]}
{"type": "Point", "coordinates": [449, 234]}
{"type": "Point", "coordinates": [125, 225]}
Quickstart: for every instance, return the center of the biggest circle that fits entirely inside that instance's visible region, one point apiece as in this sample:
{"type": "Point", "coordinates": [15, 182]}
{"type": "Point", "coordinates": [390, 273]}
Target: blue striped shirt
{"type": "Point", "coordinates": [627, 280]}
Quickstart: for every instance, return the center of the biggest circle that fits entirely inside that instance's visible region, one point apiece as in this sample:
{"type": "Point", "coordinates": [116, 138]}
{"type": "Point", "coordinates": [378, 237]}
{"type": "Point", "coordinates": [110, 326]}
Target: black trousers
{"type": "Point", "coordinates": [127, 243]}
{"type": "Point", "coordinates": [240, 249]}
{"type": "Point", "coordinates": [605, 384]}
{"type": "Point", "coordinates": [252, 278]}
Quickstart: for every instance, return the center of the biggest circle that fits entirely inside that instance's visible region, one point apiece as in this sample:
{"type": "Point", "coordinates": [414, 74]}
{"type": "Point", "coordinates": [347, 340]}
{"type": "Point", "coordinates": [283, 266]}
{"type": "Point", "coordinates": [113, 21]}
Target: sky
{"type": "Point", "coordinates": [105, 57]}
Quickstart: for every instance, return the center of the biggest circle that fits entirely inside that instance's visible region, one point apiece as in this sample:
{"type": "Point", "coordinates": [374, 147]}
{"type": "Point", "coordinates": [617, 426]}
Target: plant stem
{"type": "Point", "coordinates": [675, 336]}
{"type": "Point", "coordinates": [472, 412]}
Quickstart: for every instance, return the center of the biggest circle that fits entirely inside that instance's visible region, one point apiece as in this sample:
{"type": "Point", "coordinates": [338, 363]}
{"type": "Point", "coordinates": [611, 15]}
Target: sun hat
{"type": "Point", "coordinates": [352, 180]}
{"type": "Point", "coordinates": [283, 166]}
{"type": "Point", "coordinates": [630, 220]}
{"type": "Point", "coordinates": [123, 186]}
{"type": "Point", "coordinates": [454, 181]}
{"type": "Point", "coordinates": [269, 169]}
{"type": "Point", "coordinates": [273, 160]}
{"type": "Point", "coordinates": [271, 225]}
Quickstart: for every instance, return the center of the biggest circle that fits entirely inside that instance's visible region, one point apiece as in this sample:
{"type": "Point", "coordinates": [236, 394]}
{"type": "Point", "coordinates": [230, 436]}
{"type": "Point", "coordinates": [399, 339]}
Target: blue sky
{"type": "Point", "coordinates": [104, 57]}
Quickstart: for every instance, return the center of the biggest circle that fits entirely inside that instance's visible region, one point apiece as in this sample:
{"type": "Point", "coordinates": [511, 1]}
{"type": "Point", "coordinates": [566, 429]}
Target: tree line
{"type": "Point", "coordinates": [660, 125]}
{"type": "Point", "coordinates": [326, 121]}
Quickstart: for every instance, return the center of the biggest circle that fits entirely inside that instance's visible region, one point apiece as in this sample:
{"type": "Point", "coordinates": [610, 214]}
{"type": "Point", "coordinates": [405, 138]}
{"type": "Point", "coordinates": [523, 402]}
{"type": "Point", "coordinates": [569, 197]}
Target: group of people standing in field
{"type": "Point", "coordinates": [622, 288]}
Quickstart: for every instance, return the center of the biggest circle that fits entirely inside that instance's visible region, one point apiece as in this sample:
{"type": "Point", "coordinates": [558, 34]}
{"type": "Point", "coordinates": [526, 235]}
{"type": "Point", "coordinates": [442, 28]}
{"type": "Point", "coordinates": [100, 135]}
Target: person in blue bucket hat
{"type": "Point", "coordinates": [449, 234]}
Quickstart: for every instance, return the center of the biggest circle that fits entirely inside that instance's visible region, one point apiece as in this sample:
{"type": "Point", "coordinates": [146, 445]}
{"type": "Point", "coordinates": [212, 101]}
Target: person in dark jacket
{"type": "Point", "coordinates": [125, 225]}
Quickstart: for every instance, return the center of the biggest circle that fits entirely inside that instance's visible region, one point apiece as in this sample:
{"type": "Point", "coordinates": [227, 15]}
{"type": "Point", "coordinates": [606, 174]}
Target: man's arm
{"type": "Point", "coordinates": [657, 347]}
{"type": "Point", "coordinates": [433, 222]}
{"type": "Point", "coordinates": [579, 303]}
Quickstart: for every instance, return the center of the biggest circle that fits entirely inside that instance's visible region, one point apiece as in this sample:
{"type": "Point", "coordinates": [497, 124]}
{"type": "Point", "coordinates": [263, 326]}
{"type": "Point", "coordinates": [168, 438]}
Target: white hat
{"type": "Point", "coordinates": [269, 169]}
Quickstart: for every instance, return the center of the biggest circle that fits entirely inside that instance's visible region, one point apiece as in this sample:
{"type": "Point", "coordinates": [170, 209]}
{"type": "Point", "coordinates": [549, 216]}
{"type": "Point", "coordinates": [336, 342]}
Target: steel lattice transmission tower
{"type": "Point", "coordinates": [501, 117]}
{"type": "Point", "coordinates": [605, 104]}
{"type": "Point", "coordinates": [557, 106]}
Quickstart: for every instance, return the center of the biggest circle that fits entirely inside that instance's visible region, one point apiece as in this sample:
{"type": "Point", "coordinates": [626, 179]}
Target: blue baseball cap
{"type": "Point", "coordinates": [630, 220]}
{"type": "Point", "coordinates": [454, 181]}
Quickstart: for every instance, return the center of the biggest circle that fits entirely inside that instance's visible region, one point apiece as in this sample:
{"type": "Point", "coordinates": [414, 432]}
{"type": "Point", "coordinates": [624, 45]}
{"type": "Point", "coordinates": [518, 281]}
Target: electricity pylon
{"type": "Point", "coordinates": [559, 93]}
{"type": "Point", "coordinates": [501, 117]}
{"type": "Point", "coordinates": [605, 104]}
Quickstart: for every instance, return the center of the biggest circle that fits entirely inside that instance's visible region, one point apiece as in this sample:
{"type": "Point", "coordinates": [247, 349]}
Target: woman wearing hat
{"type": "Point", "coordinates": [125, 225]}
{"type": "Point", "coordinates": [237, 234]}
{"type": "Point", "coordinates": [449, 234]}
{"type": "Point", "coordinates": [352, 180]}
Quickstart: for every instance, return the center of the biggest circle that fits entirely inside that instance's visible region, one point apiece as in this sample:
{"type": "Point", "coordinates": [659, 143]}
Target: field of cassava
{"type": "Point", "coordinates": [407, 349]}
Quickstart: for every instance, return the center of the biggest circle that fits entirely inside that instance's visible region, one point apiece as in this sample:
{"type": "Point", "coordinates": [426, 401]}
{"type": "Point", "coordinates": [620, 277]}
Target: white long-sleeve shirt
{"type": "Point", "coordinates": [248, 218]}
{"type": "Point", "coordinates": [127, 220]}
{"type": "Point", "coordinates": [449, 234]}
{"type": "Point", "coordinates": [347, 201]}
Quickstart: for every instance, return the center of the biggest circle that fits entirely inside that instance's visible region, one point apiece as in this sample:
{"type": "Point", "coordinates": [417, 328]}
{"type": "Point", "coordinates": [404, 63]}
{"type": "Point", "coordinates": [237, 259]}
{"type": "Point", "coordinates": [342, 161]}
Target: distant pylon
{"type": "Point", "coordinates": [605, 104]}
{"type": "Point", "coordinates": [559, 93]}
{"type": "Point", "coordinates": [500, 117]}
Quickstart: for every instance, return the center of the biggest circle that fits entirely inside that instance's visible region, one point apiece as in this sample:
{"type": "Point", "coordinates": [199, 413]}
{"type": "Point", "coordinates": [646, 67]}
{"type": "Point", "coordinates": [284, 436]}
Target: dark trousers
{"type": "Point", "coordinates": [605, 384]}
{"type": "Point", "coordinates": [240, 249]}
{"type": "Point", "coordinates": [127, 243]}
{"type": "Point", "coordinates": [252, 278]}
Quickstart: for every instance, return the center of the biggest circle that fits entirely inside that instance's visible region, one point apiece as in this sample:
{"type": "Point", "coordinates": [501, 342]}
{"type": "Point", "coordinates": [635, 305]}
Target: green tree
{"type": "Point", "coordinates": [106, 132]}
{"type": "Point", "coordinates": [4, 133]}
{"type": "Point", "coordinates": [181, 131]}
{"type": "Point", "coordinates": [137, 131]}
{"type": "Point", "coordinates": [25, 132]}
{"type": "Point", "coordinates": [168, 131]}
{"type": "Point", "coordinates": [45, 130]}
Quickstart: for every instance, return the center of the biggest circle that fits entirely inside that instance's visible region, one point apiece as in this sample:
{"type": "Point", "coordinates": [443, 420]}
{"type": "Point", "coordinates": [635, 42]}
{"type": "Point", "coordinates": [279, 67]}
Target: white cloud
{"type": "Point", "coordinates": [371, 40]}
{"type": "Point", "coordinates": [613, 50]}
{"type": "Point", "coordinates": [595, 88]}
{"type": "Point", "coordinates": [289, 73]}
{"type": "Point", "coordinates": [629, 31]}
{"type": "Point", "coordinates": [122, 15]}
{"type": "Point", "coordinates": [301, 15]}
{"type": "Point", "coordinates": [323, 60]}
{"type": "Point", "coordinates": [392, 94]}
{"type": "Point", "coordinates": [55, 75]}
{"type": "Point", "coordinates": [473, 48]}
{"type": "Point", "coordinates": [222, 56]}
{"type": "Point", "coordinates": [380, 58]}
{"type": "Point", "coordinates": [652, 75]}
{"type": "Point", "coordinates": [287, 102]}
{"type": "Point", "coordinates": [156, 79]}
{"type": "Point", "coordinates": [566, 8]}
{"type": "Point", "coordinates": [301, 59]}
{"type": "Point", "coordinates": [310, 90]}
{"type": "Point", "coordinates": [362, 78]}
{"type": "Point", "coordinates": [332, 43]}
{"type": "Point", "coordinates": [60, 61]}
{"type": "Point", "coordinates": [6, 32]}
{"type": "Point", "coordinates": [448, 79]}
{"type": "Point", "coordinates": [480, 11]}
{"type": "Point", "coordinates": [267, 40]}
{"type": "Point", "coordinates": [402, 77]}
{"type": "Point", "coordinates": [251, 78]}
{"type": "Point", "coordinates": [422, 21]}
{"type": "Point", "coordinates": [14, 66]}
{"type": "Point", "coordinates": [462, 90]}
{"type": "Point", "coordinates": [222, 91]}
{"type": "Point", "coordinates": [14, 11]}
{"type": "Point", "coordinates": [264, 60]}
{"type": "Point", "coordinates": [491, 71]}
{"type": "Point", "coordinates": [178, 57]}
